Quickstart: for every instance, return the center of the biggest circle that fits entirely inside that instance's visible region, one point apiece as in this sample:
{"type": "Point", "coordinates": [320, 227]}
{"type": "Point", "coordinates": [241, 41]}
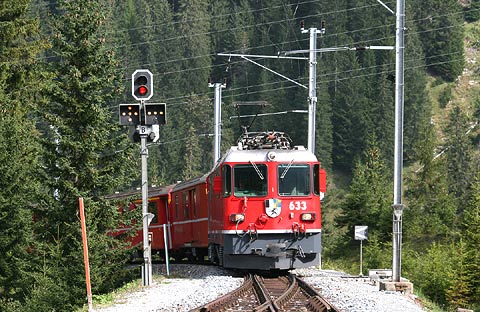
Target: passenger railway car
{"type": "Point", "coordinates": [258, 208]}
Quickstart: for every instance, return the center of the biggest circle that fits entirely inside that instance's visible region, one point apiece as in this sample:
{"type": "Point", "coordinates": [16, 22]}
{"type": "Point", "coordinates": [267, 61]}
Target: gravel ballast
{"type": "Point", "coordinates": [190, 286]}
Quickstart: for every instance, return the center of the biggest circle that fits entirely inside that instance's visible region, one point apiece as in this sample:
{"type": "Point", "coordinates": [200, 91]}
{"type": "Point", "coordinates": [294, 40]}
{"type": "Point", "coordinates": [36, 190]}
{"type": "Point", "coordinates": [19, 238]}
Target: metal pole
{"type": "Point", "coordinates": [398, 157]}
{"type": "Point", "coordinates": [312, 89]}
{"type": "Point", "coordinates": [361, 258]}
{"type": "Point", "coordinates": [165, 240]}
{"type": "Point", "coordinates": [147, 272]}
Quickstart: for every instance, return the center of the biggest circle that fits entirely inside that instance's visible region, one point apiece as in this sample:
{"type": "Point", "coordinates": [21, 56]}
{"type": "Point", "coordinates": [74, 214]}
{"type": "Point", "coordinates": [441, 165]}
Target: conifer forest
{"type": "Point", "coordinates": [66, 65]}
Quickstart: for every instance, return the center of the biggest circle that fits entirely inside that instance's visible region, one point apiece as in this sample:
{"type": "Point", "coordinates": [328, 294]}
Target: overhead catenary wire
{"type": "Point", "coordinates": [362, 42]}
{"type": "Point", "coordinates": [336, 73]}
{"type": "Point", "coordinates": [175, 101]}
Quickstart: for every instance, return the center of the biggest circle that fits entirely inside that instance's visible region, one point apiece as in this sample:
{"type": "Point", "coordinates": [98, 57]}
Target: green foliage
{"type": "Point", "coordinates": [377, 254]}
{"type": "Point", "coordinates": [472, 12]}
{"type": "Point", "coordinates": [442, 37]}
{"type": "Point", "coordinates": [80, 160]}
{"type": "Point", "coordinates": [433, 271]}
{"type": "Point", "coordinates": [459, 154]}
{"type": "Point", "coordinates": [417, 105]}
{"type": "Point", "coordinates": [458, 292]}
{"type": "Point", "coordinates": [193, 27]}
{"type": "Point", "coordinates": [367, 203]}
{"type": "Point", "coordinates": [69, 94]}
{"type": "Point", "coordinates": [445, 96]}
{"type": "Point", "coordinates": [431, 209]}
{"type": "Point", "coordinates": [472, 241]}
{"type": "Point", "coordinates": [21, 83]}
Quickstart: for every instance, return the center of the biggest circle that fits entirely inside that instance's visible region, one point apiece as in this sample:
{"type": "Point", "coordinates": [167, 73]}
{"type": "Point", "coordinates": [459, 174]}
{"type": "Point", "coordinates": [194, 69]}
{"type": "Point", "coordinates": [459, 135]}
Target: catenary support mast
{"type": "Point", "coordinates": [398, 153]}
{"type": "Point", "coordinates": [312, 88]}
{"type": "Point", "coordinates": [218, 120]}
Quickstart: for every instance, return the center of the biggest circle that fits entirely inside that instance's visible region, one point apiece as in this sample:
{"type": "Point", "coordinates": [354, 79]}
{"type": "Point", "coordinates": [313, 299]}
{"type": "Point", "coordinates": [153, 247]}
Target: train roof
{"type": "Point", "coordinates": [297, 154]}
{"type": "Point", "coordinates": [152, 192]}
{"type": "Point", "coordinates": [188, 183]}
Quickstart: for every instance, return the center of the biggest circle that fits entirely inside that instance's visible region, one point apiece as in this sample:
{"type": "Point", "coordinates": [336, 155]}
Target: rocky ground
{"type": "Point", "coordinates": [190, 286]}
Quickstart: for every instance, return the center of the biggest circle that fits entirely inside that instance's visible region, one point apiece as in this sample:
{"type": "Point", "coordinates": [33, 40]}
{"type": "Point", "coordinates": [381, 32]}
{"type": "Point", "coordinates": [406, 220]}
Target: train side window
{"type": "Point", "coordinates": [153, 208]}
{"type": "Point", "coordinates": [316, 179]}
{"type": "Point", "coordinates": [227, 180]}
{"type": "Point", "coordinates": [250, 180]}
{"type": "Point", "coordinates": [186, 213]}
{"type": "Point", "coordinates": [194, 202]}
{"type": "Point", "coordinates": [293, 180]}
{"type": "Point", "coordinates": [176, 206]}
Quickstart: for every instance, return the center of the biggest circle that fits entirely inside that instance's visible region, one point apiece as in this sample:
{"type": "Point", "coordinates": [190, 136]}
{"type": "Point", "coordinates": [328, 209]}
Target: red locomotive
{"type": "Point", "coordinates": [259, 208]}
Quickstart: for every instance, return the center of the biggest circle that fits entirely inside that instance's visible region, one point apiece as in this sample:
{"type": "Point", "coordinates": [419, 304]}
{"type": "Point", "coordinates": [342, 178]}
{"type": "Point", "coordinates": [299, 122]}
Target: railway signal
{"type": "Point", "coordinates": [155, 113]}
{"type": "Point", "coordinates": [129, 114]}
{"type": "Point", "coordinates": [142, 84]}
{"type": "Point", "coordinates": [146, 118]}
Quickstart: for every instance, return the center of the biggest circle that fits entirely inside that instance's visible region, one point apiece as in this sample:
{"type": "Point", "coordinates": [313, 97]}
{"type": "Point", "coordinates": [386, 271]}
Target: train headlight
{"type": "Point", "coordinates": [237, 217]}
{"type": "Point", "coordinates": [308, 216]}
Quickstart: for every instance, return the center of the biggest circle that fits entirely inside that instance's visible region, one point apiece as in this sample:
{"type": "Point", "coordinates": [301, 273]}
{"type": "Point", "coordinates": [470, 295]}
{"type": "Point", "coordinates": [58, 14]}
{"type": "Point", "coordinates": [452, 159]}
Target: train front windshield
{"type": "Point", "coordinates": [250, 180]}
{"type": "Point", "coordinates": [293, 180]}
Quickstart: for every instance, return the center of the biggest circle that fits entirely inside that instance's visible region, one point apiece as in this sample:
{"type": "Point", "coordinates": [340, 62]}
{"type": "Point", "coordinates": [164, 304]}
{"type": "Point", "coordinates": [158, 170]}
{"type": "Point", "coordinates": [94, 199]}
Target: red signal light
{"type": "Point", "coordinates": [142, 84]}
{"type": "Point", "coordinates": [142, 90]}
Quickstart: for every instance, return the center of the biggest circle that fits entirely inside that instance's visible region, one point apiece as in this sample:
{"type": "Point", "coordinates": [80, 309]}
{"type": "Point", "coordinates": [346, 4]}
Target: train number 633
{"type": "Point", "coordinates": [298, 205]}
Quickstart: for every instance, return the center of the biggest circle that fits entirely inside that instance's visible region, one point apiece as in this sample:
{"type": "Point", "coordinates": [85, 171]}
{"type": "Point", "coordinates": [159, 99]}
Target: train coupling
{"type": "Point", "coordinates": [257, 251]}
{"type": "Point", "coordinates": [276, 250]}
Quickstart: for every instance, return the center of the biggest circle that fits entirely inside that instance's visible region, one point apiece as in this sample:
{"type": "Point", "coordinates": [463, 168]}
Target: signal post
{"type": "Point", "coordinates": [146, 117]}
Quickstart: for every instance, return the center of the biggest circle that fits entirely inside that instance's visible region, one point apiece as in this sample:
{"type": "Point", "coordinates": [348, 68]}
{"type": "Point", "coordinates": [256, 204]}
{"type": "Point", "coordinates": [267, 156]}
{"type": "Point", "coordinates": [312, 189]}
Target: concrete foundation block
{"type": "Point", "coordinates": [405, 287]}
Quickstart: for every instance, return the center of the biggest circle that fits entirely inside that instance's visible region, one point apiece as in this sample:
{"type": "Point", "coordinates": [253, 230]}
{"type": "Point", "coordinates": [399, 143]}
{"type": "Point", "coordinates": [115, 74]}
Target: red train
{"type": "Point", "coordinates": [259, 208]}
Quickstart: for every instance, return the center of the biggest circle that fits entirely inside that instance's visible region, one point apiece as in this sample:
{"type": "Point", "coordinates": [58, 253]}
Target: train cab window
{"type": "Point", "coordinates": [316, 179]}
{"type": "Point", "coordinates": [250, 180]}
{"type": "Point", "coordinates": [293, 180]}
{"type": "Point", "coordinates": [227, 180]}
{"type": "Point", "coordinates": [153, 209]}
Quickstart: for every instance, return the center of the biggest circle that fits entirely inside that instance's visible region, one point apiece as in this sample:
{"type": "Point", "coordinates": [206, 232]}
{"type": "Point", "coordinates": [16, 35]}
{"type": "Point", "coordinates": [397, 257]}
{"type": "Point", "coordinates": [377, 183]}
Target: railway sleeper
{"type": "Point", "coordinates": [318, 304]}
{"type": "Point", "coordinates": [229, 299]}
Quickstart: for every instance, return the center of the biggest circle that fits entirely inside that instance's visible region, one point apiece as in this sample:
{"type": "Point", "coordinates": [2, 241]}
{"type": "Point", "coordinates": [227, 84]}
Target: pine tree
{"type": "Point", "coordinates": [167, 49]}
{"type": "Point", "coordinates": [193, 27]}
{"type": "Point", "coordinates": [196, 157]}
{"type": "Point", "coordinates": [442, 37]}
{"type": "Point", "coordinates": [368, 201]}
{"type": "Point", "coordinates": [458, 292]}
{"type": "Point", "coordinates": [471, 236]}
{"type": "Point", "coordinates": [417, 105]}
{"type": "Point", "coordinates": [21, 81]}
{"type": "Point", "coordinates": [426, 193]}
{"type": "Point", "coordinates": [85, 156]}
{"type": "Point", "coordinates": [433, 271]}
{"type": "Point", "coordinates": [350, 116]}
{"type": "Point", "coordinates": [323, 135]}
{"type": "Point", "coordinates": [472, 12]}
{"type": "Point", "coordinates": [459, 154]}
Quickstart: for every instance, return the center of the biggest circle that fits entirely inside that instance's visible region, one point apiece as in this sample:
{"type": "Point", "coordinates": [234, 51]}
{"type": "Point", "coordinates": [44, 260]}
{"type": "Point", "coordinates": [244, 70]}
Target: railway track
{"type": "Point", "coordinates": [270, 294]}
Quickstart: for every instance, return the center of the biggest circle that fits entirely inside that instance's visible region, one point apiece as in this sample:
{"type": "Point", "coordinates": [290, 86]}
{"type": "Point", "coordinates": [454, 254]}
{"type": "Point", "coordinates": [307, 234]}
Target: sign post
{"type": "Point", "coordinates": [85, 253]}
{"type": "Point", "coordinates": [361, 234]}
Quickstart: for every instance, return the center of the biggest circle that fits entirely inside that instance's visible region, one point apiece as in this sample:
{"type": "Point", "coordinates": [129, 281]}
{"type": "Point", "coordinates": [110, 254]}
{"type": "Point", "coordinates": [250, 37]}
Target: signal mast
{"type": "Point", "coordinates": [146, 118]}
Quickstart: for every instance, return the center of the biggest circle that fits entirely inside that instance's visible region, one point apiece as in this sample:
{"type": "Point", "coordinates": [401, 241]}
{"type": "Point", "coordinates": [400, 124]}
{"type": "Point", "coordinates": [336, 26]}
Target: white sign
{"type": "Point", "coordinates": [361, 232]}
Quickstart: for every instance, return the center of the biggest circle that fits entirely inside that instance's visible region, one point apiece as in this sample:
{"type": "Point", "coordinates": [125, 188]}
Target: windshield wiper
{"type": "Point", "coordinates": [286, 169]}
{"type": "Point", "coordinates": [257, 170]}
